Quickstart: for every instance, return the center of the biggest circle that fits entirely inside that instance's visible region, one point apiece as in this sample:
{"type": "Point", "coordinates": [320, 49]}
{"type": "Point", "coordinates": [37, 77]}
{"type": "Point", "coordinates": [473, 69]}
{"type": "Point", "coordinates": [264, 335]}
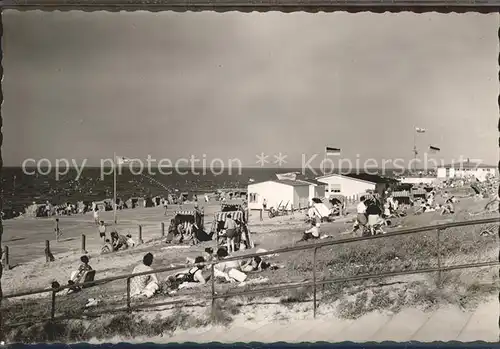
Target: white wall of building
{"type": "Point", "coordinates": [316, 191]}
{"type": "Point", "coordinates": [441, 173]}
{"type": "Point", "coordinates": [418, 180]}
{"type": "Point", "coordinates": [348, 186]}
{"type": "Point", "coordinates": [319, 191]}
{"type": "Point", "coordinates": [480, 173]}
{"type": "Point", "coordinates": [301, 196]}
{"type": "Point", "coordinates": [273, 192]}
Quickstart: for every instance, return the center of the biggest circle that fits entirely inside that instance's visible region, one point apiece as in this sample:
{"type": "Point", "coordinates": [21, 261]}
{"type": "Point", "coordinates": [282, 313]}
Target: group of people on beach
{"type": "Point", "coordinates": [115, 242]}
{"type": "Point", "coordinates": [146, 286]}
{"type": "Point", "coordinates": [369, 216]}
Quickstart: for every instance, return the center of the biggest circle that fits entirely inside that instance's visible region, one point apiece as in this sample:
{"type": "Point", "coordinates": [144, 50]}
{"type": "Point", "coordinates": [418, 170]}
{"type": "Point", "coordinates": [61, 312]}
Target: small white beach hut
{"type": "Point", "coordinates": [276, 192]}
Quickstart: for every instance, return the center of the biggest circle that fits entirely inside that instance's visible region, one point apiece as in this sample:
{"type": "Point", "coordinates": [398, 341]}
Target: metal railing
{"type": "Point", "coordinates": [315, 247]}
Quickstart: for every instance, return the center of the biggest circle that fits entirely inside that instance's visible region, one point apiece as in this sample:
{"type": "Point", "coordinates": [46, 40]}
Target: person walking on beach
{"type": "Point", "coordinates": [48, 209]}
{"type": "Point", "coordinates": [361, 218]}
{"type": "Point", "coordinates": [264, 206]}
{"type": "Point", "coordinates": [57, 230]}
{"type": "Point", "coordinates": [165, 206]}
{"type": "Point", "coordinates": [96, 216]}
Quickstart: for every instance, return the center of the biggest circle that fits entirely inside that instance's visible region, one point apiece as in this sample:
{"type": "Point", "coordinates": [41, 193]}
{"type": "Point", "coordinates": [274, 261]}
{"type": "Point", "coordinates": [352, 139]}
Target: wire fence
{"type": "Point", "coordinates": [213, 296]}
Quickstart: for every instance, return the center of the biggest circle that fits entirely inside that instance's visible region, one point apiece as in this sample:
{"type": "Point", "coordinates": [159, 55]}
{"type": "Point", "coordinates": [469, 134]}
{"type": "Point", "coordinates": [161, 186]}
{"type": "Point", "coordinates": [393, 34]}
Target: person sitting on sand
{"type": "Point", "coordinates": [172, 232]}
{"type": "Point", "coordinates": [312, 233]}
{"type": "Point", "coordinates": [130, 241]}
{"type": "Point", "coordinates": [144, 285]}
{"type": "Point", "coordinates": [448, 207]}
{"type": "Point", "coordinates": [77, 275]}
{"type": "Point", "coordinates": [119, 241]}
{"type": "Point", "coordinates": [208, 254]}
{"type": "Point", "coordinates": [107, 247]}
{"type": "Point", "coordinates": [181, 230]}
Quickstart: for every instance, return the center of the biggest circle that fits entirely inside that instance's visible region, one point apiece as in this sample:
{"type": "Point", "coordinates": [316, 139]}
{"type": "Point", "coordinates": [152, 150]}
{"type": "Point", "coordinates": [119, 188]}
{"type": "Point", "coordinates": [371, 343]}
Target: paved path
{"type": "Point", "coordinates": [445, 324]}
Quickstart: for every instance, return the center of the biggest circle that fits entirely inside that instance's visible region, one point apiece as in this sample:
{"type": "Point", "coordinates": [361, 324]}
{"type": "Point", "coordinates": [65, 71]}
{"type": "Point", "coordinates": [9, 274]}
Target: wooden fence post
{"type": "Point", "coordinates": [140, 235]}
{"type": "Point", "coordinates": [6, 258]}
{"type": "Point", "coordinates": [84, 244]}
{"type": "Point", "coordinates": [49, 257]}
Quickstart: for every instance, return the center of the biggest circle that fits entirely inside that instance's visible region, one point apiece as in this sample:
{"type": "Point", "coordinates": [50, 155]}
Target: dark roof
{"type": "Point", "coordinates": [365, 177]}
{"type": "Point", "coordinates": [284, 181]}
{"type": "Point", "coordinates": [372, 178]}
{"type": "Point", "coordinates": [310, 180]}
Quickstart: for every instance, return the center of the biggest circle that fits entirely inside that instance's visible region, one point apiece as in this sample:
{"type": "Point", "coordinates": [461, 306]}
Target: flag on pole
{"type": "Point", "coordinates": [332, 151]}
{"type": "Point", "coordinates": [434, 149]}
{"type": "Point", "coordinates": [420, 130]}
{"type": "Point", "coordinates": [120, 160]}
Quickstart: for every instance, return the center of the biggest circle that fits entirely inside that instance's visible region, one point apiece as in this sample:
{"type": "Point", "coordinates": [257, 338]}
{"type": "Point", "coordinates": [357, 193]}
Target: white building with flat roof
{"type": "Point", "coordinates": [348, 186]}
{"type": "Point", "coordinates": [278, 193]}
{"type": "Point", "coordinates": [466, 169]}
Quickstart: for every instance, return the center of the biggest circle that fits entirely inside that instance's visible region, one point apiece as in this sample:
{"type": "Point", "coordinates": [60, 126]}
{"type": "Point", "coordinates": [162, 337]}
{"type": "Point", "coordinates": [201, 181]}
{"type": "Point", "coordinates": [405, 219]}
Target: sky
{"type": "Point", "coordinates": [174, 85]}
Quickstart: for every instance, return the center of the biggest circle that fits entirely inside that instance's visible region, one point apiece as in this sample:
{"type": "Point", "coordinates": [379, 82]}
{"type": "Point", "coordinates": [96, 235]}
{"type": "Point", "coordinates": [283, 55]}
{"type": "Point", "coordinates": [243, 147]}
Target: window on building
{"type": "Point", "coordinates": [253, 197]}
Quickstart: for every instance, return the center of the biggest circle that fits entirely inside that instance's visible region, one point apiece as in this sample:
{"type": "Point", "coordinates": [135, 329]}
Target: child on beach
{"type": "Point", "coordinates": [96, 215]}
{"type": "Point", "coordinates": [57, 230]}
{"type": "Point", "coordinates": [165, 206]}
{"type": "Point", "coordinates": [102, 231]}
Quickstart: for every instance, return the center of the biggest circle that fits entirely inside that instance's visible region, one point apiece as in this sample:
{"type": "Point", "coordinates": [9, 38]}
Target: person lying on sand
{"type": "Point", "coordinates": [197, 274]}
{"type": "Point", "coordinates": [257, 264]}
{"type": "Point", "coordinates": [222, 270]}
{"type": "Point", "coordinates": [144, 285]}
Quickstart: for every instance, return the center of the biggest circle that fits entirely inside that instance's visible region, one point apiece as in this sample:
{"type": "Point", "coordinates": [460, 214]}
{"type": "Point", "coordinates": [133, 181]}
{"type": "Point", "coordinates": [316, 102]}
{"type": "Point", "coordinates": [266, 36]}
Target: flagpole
{"type": "Point", "coordinates": [415, 149]}
{"type": "Point", "coordinates": [114, 187]}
